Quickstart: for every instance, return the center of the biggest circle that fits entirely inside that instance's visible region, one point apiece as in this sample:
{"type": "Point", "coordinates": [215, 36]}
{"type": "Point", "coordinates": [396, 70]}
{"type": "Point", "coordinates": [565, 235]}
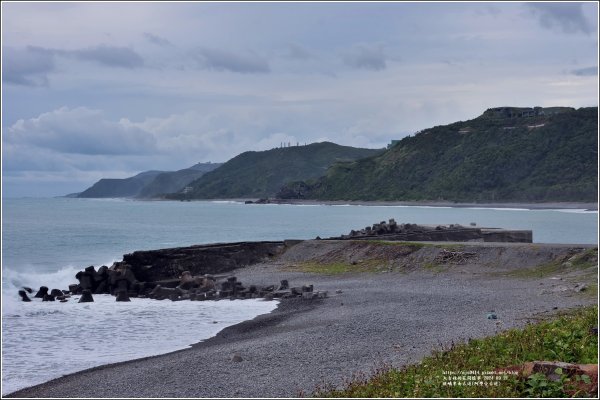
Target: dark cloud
{"type": "Point", "coordinates": [365, 57]}
{"type": "Point", "coordinates": [111, 56]}
{"type": "Point", "coordinates": [221, 60]}
{"type": "Point", "coordinates": [157, 40]}
{"type": "Point", "coordinates": [26, 67]}
{"type": "Point", "coordinates": [567, 17]}
{"type": "Point", "coordinates": [30, 66]}
{"type": "Point", "coordinates": [589, 71]}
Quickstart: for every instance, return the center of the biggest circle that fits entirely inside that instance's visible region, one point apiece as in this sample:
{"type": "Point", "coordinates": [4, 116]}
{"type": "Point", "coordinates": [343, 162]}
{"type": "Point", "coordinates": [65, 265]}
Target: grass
{"type": "Point", "coordinates": [585, 260]}
{"type": "Point", "coordinates": [435, 267]}
{"type": "Point", "coordinates": [566, 338]}
{"type": "Point", "coordinates": [372, 263]}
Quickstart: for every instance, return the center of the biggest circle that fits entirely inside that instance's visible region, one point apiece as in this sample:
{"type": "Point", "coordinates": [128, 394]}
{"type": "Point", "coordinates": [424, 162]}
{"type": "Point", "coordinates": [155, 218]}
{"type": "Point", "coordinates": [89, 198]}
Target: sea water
{"type": "Point", "coordinates": [45, 340]}
{"type": "Point", "coordinates": [46, 241]}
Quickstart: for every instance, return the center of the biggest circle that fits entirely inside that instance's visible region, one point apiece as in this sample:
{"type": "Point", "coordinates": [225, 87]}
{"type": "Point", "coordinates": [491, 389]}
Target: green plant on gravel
{"type": "Point", "coordinates": [566, 338]}
{"type": "Point", "coordinates": [587, 259]}
{"type": "Point", "coordinates": [538, 385]}
{"type": "Point", "coordinates": [582, 261]}
{"type": "Point", "coordinates": [434, 267]}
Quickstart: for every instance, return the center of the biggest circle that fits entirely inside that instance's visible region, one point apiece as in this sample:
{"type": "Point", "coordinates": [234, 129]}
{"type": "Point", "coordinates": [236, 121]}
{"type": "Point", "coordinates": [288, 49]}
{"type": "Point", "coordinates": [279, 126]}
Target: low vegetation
{"type": "Point", "coordinates": [368, 256]}
{"type": "Point", "coordinates": [540, 158]}
{"type": "Point", "coordinates": [567, 338]}
{"type": "Point", "coordinates": [260, 174]}
{"type": "Point", "coordinates": [578, 262]}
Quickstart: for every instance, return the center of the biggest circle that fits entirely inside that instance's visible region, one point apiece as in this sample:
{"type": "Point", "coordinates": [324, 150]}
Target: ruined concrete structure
{"type": "Point", "coordinates": [446, 233]}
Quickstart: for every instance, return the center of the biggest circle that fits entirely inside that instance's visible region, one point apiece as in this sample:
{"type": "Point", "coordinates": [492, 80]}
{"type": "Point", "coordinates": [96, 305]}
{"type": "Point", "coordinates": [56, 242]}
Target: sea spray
{"type": "Point", "coordinates": [45, 340]}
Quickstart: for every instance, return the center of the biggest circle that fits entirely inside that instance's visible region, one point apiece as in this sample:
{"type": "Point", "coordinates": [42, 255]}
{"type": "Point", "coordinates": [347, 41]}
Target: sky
{"type": "Point", "coordinates": [107, 90]}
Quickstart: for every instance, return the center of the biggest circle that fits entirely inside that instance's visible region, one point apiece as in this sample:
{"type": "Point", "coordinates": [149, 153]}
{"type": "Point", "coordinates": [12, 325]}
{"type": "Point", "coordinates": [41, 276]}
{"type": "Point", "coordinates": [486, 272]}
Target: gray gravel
{"type": "Point", "coordinates": [379, 319]}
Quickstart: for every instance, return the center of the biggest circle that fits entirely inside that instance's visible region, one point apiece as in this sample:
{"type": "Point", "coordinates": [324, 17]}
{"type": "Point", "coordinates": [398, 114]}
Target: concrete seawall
{"type": "Point", "coordinates": [162, 264]}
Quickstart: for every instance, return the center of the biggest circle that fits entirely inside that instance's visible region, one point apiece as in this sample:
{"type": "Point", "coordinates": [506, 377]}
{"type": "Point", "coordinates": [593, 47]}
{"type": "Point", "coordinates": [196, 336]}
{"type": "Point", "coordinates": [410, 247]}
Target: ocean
{"type": "Point", "coordinates": [46, 241]}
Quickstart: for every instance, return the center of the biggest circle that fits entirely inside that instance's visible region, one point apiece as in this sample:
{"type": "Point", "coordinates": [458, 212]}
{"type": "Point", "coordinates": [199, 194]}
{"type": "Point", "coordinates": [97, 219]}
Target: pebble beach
{"type": "Point", "coordinates": [369, 321]}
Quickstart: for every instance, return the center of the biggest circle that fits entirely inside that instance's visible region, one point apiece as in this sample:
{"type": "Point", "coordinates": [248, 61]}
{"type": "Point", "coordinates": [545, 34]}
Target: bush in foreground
{"type": "Point", "coordinates": [479, 368]}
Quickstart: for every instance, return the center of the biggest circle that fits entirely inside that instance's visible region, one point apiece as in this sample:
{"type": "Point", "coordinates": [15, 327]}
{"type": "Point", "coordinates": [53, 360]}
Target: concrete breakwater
{"type": "Point", "coordinates": [185, 273]}
{"type": "Point", "coordinates": [163, 264]}
{"type": "Point", "coordinates": [194, 272]}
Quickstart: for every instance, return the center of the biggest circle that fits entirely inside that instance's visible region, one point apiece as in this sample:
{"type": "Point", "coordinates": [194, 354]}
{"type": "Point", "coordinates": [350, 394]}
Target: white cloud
{"type": "Point", "coordinates": [80, 131]}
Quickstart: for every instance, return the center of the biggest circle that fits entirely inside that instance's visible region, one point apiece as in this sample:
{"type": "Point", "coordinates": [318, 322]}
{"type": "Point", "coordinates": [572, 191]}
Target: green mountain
{"type": "Point", "coordinates": [506, 154]}
{"type": "Point", "coordinates": [171, 182]}
{"type": "Point", "coordinates": [260, 174]}
{"type": "Point", "coordinates": [128, 187]}
{"type": "Point", "coordinates": [147, 184]}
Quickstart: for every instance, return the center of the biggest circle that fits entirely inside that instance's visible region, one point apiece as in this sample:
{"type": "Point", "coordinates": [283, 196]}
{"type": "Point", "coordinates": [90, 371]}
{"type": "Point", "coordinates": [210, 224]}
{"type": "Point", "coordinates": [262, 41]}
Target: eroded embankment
{"type": "Point", "coordinates": [521, 260]}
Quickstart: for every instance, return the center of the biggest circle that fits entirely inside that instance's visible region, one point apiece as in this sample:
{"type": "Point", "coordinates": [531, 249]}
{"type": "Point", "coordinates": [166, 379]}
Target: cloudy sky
{"type": "Point", "coordinates": [112, 89]}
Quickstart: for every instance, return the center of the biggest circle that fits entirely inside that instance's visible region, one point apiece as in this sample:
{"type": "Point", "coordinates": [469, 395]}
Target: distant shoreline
{"type": "Point", "coordinates": [571, 205]}
{"type": "Point", "coordinates": [566, 205]}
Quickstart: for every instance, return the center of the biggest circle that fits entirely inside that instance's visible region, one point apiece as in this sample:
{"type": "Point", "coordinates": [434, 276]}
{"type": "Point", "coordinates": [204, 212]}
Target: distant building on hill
{"type": "Point", "coordinates": [523, 112]}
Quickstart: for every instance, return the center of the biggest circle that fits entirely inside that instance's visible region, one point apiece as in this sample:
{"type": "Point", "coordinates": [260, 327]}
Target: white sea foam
{"type": "Point", "coordinates": [577, 211]}
{"type": "Point", "coordinates": [495, 208]}
{"type": "Point", "coordinates": [45, 340]}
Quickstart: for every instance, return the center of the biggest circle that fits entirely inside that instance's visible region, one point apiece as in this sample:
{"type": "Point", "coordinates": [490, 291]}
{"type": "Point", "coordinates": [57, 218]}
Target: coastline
{"type": "Point", "coordinates": [567, 205]}
{"type": "Point", "coordinates": [558, 205]}
{"type": "Point", "coordinates": [524, 205]}
{"type": "Point", "coordinates": [377, 319]}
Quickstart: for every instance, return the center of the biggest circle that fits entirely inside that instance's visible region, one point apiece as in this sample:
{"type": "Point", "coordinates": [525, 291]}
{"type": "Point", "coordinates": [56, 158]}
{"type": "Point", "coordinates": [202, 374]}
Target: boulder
{"type": "Point", "coordinates": [210, 295]}
{"type": "Point", "coordinates": [296, 291]}
{"type": "Point", "coordinates": [42, 292]}
{"type": "Point", "coordinates": [308, 295]}
{"type": "Point", "coordinates": [307, 288]}
{"type": "Point", "coordinates": [28, 289]}
{"type": "Point", "coordinates": [85, 279]}
{"type": "Point", "coordinates": [48, 297]}
{"type": "Point", "coordinates": [281, 293]}
{"type": "Point", "coordinates": [86, 296]}
{"type": "Point", "coordinates": [161, 293]}
{"type": "Point", "coordinates": [284, 285]}
{"type": "Point", "coordinates": [74, 288]}
{"type": "Point", "coordinates": [24, 296]}
{"type": "Point", "coordinates": [122, 296]}
{"type": "Point", "coordinates": [56, 292]}
{"type": "Point", "coordinates": [186, 280]}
